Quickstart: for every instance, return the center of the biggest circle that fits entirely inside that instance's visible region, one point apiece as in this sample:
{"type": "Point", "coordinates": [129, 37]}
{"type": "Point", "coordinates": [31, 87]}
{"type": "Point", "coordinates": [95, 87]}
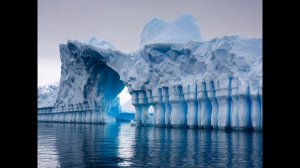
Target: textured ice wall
{"type": "Point", "coordinates": [218, 82]}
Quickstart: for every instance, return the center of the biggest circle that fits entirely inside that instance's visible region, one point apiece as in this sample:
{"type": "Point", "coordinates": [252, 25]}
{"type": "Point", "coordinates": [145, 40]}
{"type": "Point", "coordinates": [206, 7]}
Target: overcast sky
{"type": "Point", "coordinates": [121, 22]}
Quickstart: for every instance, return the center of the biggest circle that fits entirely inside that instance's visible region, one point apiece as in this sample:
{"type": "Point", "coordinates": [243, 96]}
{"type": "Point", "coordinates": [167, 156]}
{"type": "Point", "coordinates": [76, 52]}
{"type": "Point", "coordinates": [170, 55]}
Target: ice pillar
{"type": "Point", "coordinates": [205, 112]}
{"type": "Point", "coordinates": [190, 96]}
{"type": "Point", "coordinates": [178, 116]}
{"type": "Point", "coordinates": [211, 93]}
{"type": "Point", "coordinates": [260, 93]}
{"type": "Point", "coordinates": [72, 113]}
{"type": "Point", "coordinates": [143, 105]}
{"type": "Point", "coordinates": [223, 94]}
{"type": "Point", "coordinates": [150, 102]}
{"type": "Point", "coordinates": [234, 104]}
{"type": "Point", "coordinates": [159, 107]}
{"type": "Point", "coordinates": [137, 116]}
{"type": "Point", "coordinates": [255, 108]}
{"type": "Point", "coordinates": [78, 113]}
{"type": "Point", "coordinates": [88, 113]}
{"type": "Point", "coordinates": [166, 102]}
{"type": "Point", "coordinates": [244, 106]}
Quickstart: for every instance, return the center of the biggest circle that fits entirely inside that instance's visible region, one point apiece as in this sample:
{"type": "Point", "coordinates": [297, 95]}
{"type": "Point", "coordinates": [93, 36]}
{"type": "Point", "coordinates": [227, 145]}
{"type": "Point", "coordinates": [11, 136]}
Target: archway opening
{"type": "Point", "coordinates": [151, 110]}
{"type": "Point", "coordinates": [125, 101]}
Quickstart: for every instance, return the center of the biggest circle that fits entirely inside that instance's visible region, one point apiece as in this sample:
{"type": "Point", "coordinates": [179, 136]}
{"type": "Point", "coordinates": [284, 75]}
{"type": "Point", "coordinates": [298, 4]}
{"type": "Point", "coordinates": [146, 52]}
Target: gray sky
{"type": "Point", "coordinates": [121, 22]}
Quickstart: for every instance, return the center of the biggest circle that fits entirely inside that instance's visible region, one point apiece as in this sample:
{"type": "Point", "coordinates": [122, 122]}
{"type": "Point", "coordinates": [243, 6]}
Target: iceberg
{"type": "Point", "coordinates": [189, 82]}
{"type": "Point", "coordinates": [47, 95]}
{"type": "Point", "coordinates": [183, 29]}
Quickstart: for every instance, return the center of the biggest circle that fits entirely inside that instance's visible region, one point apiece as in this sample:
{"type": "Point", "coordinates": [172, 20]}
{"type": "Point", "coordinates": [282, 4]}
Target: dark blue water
{"type": "Point", "coordinates": [119, 145]}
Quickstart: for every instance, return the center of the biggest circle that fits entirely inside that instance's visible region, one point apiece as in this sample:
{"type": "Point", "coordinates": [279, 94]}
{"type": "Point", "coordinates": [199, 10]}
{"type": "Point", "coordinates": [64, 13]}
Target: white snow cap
{"type": "Point", "coordinates": [183, 29]}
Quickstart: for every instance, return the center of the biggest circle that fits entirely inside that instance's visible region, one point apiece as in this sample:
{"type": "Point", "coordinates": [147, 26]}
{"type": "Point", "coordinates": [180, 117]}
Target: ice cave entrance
{"type": "Point", "coordinates": [124, 96]}
{"type": "Point", "coordinates": [125, 101]}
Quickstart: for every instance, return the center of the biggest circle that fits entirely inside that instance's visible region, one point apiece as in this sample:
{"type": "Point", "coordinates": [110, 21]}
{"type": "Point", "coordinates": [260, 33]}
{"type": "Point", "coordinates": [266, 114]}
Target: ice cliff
{"type": "Point", "coordinates": [188, 81]}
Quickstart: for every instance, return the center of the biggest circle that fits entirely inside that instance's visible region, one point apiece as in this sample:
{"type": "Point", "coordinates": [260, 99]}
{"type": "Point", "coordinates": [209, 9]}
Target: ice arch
{"type": "Point", "coordinates": [88, 87]}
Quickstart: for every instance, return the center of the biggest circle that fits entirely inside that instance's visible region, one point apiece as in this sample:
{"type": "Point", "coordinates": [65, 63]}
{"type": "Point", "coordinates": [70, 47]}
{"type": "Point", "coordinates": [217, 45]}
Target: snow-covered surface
{"type": "Point", "coordinates": [183, 29]}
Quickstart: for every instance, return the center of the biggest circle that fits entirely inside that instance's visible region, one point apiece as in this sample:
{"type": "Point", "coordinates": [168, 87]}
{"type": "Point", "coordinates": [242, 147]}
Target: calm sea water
{"type": "Point", "coordinates": [120, 145]}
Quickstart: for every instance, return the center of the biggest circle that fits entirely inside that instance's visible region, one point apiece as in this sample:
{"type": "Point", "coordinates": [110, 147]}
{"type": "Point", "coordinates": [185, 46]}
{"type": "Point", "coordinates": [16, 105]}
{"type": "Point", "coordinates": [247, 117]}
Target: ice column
{"type": "Point", "coordinates": [82, 112]}
{"type": "Point", "coordinates": [83, 115]}
{"type": "Point", "coordinates": [78, 113]}
{"type": "Point", "coordinates": [50, 116]}
{"type": "Point", "coordinates": [190, 96]}
{"type": "Point", "coordinates": [100, 115]}
{"type": "Point", "coordinates": [143, 103]}
{"type": "Point", "coordinates": [150, 102]}
{"type": "Point", "coordinates": [178, 116]}
{"type": "Point", "coordinates": [66, 113]}
{"type": "Point", "coordinates": [205, 112]}
{"type": "Point", "coordinates": [93, 113]}
{"type": "Point", "coordinates": [72, 113]}
{"type": "Point", "coordinates": [211, 93]}
{"type": "Point", "coordinates": [60, 114]}
{"type": "Point", "coordinates": [137, 116]}
{"type": "Point", "coordinates": [159, 107]}
{"type": "Point", "coordinates": [244, 106]}
{"type": "Point", "coordinates": [234, 104]}
{"type": "Point", "coordinates": [55, 116]}
{"type": "Point", "coordinates": [223, 94]}
{"type": "Point", "coordinates": [167, 105]}
{"type": "Point", "coordinates": [255, 108]}
{"type": "Point", "coordinates": [87, 113]}
{"type": "Point", "coordinates": [199, 108]}
{"type": "Point", "coordinates": [260, 93]}
{"type": "Point", "coordinates": [149, 97]}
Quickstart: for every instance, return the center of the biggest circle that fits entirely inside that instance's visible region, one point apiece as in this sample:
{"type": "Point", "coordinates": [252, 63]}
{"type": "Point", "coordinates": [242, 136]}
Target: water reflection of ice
{"type": "Point", "coordinates": [47, 153]}
{"type": "Point", "coordinates": [125, 145]}
{"type": "Point", "coordinates": [119, 145]}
